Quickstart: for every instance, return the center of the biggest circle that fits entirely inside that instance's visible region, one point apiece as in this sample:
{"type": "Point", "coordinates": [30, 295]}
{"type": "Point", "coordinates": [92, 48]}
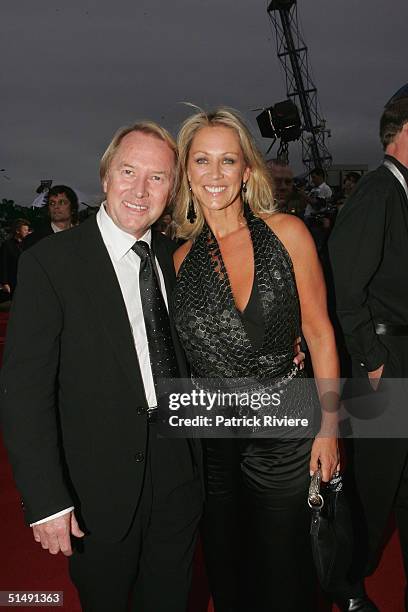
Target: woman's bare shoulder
{"type": "Point", "coordinates": [282, 222]}
{"type": "Point", "coordinates": [290, 230]}
{"type": "Point", "coordinates": [181, 253]}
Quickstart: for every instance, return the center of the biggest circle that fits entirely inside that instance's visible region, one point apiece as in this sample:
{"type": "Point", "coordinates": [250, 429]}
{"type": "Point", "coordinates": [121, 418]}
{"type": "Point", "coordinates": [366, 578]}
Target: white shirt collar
{"type": "Point", "coordinates": [57, 229]}
{"type": "Point", "coordinates": [118, 242]}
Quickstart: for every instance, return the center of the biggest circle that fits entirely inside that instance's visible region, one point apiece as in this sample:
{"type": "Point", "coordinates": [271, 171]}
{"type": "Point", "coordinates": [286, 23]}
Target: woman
{"type": "Point", "coordinates": [247, 276]}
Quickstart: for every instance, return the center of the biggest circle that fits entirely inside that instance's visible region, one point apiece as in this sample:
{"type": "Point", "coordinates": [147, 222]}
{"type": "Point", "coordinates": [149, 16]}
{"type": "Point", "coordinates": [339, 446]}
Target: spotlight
{"type": "Point", "coordinates": [280, 121]}
{"type": "Point", "coordinates": [276, 5]}
{"type": "Point", "coordinates": [44, 186]}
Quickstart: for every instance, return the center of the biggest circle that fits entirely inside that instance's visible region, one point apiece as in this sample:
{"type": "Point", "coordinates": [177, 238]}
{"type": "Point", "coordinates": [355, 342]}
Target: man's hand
{"type": "Point", "coordinates": [55, 535]}
{"type": "Point", "coordinates": [375, 377]}
{"type": "Point", "coordinates": [6, 288]}
{"type": "Point", "coordinates": [299, 356]}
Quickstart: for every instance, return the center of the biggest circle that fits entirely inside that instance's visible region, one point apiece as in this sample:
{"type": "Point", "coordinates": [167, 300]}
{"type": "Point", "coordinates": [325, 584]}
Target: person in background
{"type": "Point", "coordinates": [320, 188]}
{"type": "Point", "coordinates": [10, 252]}
{"type": "Point", "coordinates": [62, 205]}
{"type": "Point", "coordinates": [282, 177]}
{"type": "Point", "coordinates": [288, 198]}
{"type": "Point", "coordinates": [349, 184]}
{"type": "Point", "coordinates": [368, 252]}
{"type": "Point", "coordinates": [350, 181]}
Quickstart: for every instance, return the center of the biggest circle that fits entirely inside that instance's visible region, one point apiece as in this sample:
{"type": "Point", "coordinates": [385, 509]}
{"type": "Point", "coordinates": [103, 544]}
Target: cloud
{"type": "Point", "coordinates": [74, 73]}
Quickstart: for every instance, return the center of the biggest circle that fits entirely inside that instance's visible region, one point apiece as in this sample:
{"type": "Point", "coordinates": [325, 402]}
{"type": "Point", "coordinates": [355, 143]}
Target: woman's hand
{"type": "Point", "coordinates": [325, 455]}
{"type": "Point", "coordinates": [299, 358]}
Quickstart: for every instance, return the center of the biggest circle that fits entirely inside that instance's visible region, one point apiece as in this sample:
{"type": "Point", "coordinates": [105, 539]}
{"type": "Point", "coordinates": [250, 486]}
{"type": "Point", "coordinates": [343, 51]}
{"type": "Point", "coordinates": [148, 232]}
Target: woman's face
{"type": "Point", "coordinates": [216, 167]}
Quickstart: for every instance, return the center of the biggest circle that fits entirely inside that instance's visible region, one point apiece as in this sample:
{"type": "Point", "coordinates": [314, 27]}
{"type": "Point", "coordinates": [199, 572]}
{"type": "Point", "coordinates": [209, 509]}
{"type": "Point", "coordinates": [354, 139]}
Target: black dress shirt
{"type": "Point", "coordinates": [9, 255]}
{"type": "Point", "coordinates": [369, 257]}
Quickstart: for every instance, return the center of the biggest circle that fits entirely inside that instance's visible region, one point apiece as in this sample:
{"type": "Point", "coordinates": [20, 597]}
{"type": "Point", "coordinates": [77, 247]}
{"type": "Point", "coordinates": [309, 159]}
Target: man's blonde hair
{"type": "Point", "coordinates": [145, 127]}
{"type": "Point", "coordinates": [259, 192]}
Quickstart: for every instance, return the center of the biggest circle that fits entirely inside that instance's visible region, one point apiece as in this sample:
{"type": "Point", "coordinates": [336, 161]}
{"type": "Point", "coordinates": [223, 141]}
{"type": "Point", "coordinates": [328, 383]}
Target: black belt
{"type": "Point", "coordinates": [387, 329]}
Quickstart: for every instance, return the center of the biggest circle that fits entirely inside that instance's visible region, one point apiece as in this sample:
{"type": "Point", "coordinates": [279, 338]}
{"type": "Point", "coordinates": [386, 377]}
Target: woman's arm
{"type": "Point", "coordinates": [318, 333]}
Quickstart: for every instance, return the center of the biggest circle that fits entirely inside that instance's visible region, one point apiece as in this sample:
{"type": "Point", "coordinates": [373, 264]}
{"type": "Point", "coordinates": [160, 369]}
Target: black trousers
{"type": "Point", "coordinates": [377, 474]}
{"type": "Point", "coordinates": [379, 481]}
{"type": "Point", "coordinates": [256, 523]}
{"type": "Point", "coordinates": [150, 569]}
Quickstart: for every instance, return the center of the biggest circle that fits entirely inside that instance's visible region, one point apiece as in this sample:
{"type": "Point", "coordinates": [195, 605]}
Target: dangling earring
{"type": "Point", "coordinates": [191, 213]}
{"type": "Point", "coordinates": [244, 190]}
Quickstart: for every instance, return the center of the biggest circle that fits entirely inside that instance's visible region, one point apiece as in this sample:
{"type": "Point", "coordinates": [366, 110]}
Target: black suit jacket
{"type": "Point", "coordinates": [37, 235]}
{"type": "Point", "coordinates": [9, 255]}
{"type": "Point", "coordinates": [73, 401]}
{"type": "Point", "coordinates": [369, 254]}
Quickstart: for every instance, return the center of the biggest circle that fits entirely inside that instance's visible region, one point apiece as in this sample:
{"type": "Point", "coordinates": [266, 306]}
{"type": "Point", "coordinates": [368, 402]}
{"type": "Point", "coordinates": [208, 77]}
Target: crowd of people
{"type": "Point", "coordinates": [223, 305]}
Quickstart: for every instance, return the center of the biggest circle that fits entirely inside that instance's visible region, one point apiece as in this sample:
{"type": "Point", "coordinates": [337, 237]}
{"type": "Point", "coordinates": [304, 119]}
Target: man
{"type": "Point", "coordinates": [96, 479]}
{"type": "Point", "coordinates": [369, 251]}
{"type": "Point", "coordinates": [10, 252]}
{"type": "Point", "coordinates": [62, 204]}
{"type": "Point", "coordinates": [319, 194]}
{"type": "Point", "coordinates": [320, 187]}
{"type": "Point", "coordinates": [349, 184]}
{"type": "Point", "coordinates": [288, 198]}
{"type": "Point", "coordinates": [282, 177]}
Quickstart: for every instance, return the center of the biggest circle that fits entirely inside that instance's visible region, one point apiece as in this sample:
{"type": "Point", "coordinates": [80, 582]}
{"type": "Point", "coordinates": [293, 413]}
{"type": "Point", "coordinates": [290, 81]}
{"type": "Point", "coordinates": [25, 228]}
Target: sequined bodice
{"type": "Point", "coordinates": [209, 324]}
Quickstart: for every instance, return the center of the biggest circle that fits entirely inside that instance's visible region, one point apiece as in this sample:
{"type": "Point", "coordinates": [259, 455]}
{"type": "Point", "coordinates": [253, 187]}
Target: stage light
{"type": "Point", "coordinates": [45, 185]}
{"type": "Point", "coordinates": [276, 5]}
{"type": "Point", "coordinates": [280, 121]}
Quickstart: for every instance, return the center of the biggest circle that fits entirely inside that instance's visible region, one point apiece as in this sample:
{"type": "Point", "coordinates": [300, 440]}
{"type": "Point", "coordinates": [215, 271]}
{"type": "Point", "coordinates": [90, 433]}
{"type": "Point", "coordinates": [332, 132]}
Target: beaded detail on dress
{"type": "Point", "coordinates": [209, 324]}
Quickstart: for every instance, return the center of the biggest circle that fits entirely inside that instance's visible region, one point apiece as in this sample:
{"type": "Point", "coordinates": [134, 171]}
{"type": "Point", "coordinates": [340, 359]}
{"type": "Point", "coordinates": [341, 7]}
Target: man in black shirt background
{"type": "Point", "coordinates": [10, 252]}
{"type": "Point", "coordinates": [369, 257]}
{"type": "Point", "coordinates": [62, 205]}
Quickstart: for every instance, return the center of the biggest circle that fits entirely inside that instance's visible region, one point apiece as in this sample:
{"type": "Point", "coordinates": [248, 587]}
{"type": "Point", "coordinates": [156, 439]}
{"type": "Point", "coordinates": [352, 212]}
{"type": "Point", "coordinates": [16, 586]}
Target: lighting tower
{"type": "Point", "coordinates": [292, 53]}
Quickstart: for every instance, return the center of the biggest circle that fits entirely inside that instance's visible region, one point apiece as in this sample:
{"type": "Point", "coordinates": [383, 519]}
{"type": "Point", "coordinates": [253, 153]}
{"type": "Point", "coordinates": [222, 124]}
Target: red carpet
{"type": "Point", "coordinates": [25, 566]}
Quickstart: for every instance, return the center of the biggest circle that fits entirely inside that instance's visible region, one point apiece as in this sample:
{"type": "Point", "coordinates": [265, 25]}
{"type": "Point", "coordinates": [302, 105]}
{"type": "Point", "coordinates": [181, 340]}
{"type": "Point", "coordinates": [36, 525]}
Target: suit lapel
{"type": "Point", "coordinates": [104, 292]}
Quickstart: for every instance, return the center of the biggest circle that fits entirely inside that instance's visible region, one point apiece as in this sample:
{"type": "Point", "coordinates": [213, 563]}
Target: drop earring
{"type": "Point", "coordinates": [191, 213]}
{"type": "Point", "coordinates": [244, 191]}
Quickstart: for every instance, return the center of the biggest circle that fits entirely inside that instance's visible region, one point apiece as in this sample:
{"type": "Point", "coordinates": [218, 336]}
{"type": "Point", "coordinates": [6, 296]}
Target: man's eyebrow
{"type": "Point", "coordinates": [124, 164]}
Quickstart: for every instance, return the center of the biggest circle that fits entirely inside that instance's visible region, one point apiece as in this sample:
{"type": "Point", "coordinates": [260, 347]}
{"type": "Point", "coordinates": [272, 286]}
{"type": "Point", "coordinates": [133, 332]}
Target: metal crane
{"type": "Point", "coordinates": [292, 53]}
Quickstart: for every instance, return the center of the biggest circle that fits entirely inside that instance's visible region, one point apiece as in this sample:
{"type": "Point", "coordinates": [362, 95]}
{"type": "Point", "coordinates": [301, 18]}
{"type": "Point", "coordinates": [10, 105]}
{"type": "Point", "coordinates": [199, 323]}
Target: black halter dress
{"type": "Point", "coordinates": [255, 528]}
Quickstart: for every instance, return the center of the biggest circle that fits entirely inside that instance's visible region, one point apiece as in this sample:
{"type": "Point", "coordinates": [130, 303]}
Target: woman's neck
{"type": "Point", "coordinates": [226, 221]}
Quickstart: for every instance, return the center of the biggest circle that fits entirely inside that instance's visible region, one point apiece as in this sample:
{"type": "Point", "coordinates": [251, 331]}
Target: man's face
{"type": "Point", "coordinates": [59, 208]}
{"type": "Point", "coordinates": [138, 182]}
{"type": "Point", "coordinates": [282, 180]}
{"type": "Point", "coordinates": [349, 185]}
{"type": "Point", "coordinates": [22, 232]}
{"type": "Point", "coordinates": [316, 179]}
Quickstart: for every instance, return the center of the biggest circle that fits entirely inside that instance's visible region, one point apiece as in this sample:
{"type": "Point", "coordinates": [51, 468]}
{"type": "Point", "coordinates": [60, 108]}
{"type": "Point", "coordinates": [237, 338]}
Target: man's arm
{"type": "Point", "coordinates": [356, 250]}
{"type": "Point", "coordinates": [28, 393]}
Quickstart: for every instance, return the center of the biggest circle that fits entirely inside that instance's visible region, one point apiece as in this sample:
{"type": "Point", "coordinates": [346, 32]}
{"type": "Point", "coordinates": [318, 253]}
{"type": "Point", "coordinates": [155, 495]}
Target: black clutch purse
{"type": "Point", "coordinates": [330, 530]}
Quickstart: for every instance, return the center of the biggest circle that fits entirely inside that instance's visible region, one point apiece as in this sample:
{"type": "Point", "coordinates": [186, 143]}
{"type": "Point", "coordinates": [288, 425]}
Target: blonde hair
{"type": "Point", "coordinates": [259, 192]}
{"type": "Point", "coordinates": [145, 127]}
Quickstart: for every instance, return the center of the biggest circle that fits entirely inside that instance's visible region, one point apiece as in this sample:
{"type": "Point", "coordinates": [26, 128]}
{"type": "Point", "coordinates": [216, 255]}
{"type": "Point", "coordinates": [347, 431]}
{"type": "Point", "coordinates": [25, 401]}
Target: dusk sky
{"type": "Point", "coordinates": [73, 72]}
